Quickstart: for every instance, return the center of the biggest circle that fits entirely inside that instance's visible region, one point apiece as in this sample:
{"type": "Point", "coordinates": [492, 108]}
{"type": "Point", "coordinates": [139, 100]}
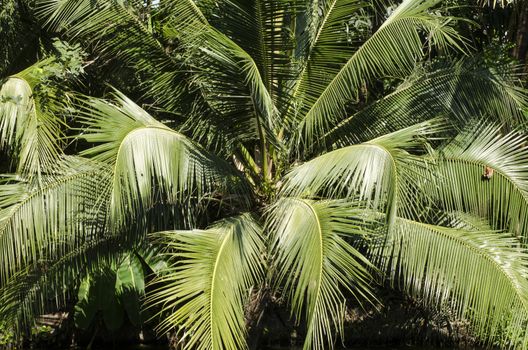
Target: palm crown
{"type": "Point", "coordinates": [271, 165]}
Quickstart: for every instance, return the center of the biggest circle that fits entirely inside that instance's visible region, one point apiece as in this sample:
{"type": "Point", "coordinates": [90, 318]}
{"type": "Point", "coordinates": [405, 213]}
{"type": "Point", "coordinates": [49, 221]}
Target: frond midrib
{"type": "Point", "coordinates": [262, 42]}
{"type": "Point", "coordinates": [321, 256]}
{"type": "Point", "coordinates": [316, 39]}
{"type": "Point", "coordinates": [128, 135]}
{"type": "Point", "coordinates": [213, 283]}
{"type": "Point", "coordinates": [357, 53]}
{"type": "Point", "coordinates": [395, 182]}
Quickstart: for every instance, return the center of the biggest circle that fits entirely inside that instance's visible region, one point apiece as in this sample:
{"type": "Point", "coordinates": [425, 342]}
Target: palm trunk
{"type": "Point", "coordinates": [521, 41]}
{"type": "Point", "coordinates": [254, 315]}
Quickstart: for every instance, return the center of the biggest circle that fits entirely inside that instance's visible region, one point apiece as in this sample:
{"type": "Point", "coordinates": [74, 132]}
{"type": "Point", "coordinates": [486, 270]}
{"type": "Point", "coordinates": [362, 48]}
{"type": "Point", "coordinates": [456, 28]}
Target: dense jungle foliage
{"type": "Point", "coordinates": [198, 167]}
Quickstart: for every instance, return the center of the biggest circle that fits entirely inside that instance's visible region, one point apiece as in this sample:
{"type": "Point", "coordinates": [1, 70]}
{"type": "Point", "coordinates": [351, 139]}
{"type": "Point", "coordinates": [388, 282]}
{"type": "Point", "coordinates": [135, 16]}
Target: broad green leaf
{"type": "Point", "coordinates": [130, 276]}
{"type": "Point", "coordinates": [86, 306]}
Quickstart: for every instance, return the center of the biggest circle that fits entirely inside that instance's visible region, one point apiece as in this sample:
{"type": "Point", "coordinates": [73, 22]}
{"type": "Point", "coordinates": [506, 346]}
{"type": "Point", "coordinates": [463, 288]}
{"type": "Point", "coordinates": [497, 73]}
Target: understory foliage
{"type": "Point", "coordinates": [198, 152]}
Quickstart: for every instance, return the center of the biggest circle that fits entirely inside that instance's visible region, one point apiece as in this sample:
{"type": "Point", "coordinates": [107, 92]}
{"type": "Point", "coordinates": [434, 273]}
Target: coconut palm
{"type": "Point", "coordinates": [268, 155]}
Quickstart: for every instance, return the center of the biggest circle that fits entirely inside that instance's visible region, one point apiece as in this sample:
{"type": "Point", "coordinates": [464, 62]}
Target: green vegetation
{"type": "Point", "coordinates": [183, 164]}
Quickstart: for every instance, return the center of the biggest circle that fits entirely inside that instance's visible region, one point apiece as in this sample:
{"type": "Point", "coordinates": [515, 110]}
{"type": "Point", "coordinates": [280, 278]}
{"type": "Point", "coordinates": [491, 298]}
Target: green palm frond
{"type": "Point", "coordinates": [231, 83]}
{"type": "Point", "coordinates": [231, 91]}
{"type": "Point", "coordinates": [325, 30]}
{"type": "Point", "coordinates": [261, 28]}
{"type": "Point", "coordinates": [382, 171]}
{"type": "Point", "coordinates": [462, 185]}
{"type": "Point", "coordinates": [458, 91]}
{"type": "Point", "coordinates": [150, 160]}
{"type": "Point", "coordinates": [464, 221]}
{"type": "Point", "coordinates": [227, 91]}
{"type": "Point", "coordinates": [392, 50]}
{"type": "Point", "coordinates": [60, 14]}
{"type": "Point", "coordinates": [40, 288]}
{"type": "Point", "coordinates": [66, 209]}
{"type": "Point", "coordinates": [30, 128]}
{"type": "Point", "coordinates": [324, 47]}
{"type": "Point", "coordinates": [118, 31]}
{"type": "Point", "coordinates": [206, 287]}
{"type": "Point", "coordinates": [479, 275]}
{"type": "Point", "coordinates": [315, 262]}
{"type": "Point", "coordinates": [189, 11]}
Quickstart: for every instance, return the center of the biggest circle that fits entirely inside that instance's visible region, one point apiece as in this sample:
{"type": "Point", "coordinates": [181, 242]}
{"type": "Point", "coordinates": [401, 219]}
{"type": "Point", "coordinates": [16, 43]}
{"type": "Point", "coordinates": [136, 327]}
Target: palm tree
{"type": "Point", "coordinates": [311, 148]}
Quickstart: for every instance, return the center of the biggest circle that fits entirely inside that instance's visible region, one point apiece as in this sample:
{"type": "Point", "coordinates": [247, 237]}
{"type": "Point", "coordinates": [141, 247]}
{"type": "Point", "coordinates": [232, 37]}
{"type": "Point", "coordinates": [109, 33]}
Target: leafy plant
{"type": "Point", "coordinates": [7, 336]}
{"type": "Point", "coordinates": [112, 293]}
{"type": "Point", "coordinates": [308, 149]}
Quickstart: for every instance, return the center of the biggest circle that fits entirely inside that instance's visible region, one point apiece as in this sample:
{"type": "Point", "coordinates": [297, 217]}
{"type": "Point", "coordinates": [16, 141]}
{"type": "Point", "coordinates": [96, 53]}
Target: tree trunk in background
{"type": "Point", "coordinates": [521, 40]}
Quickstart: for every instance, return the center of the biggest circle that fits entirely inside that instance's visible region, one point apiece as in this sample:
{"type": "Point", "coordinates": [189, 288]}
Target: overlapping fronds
{"type": "Point", "coordinates": [40, 288]}
{"type": "Point", "coordinates": [227, 94]}
{"type": "Point", "coordinates": [392, 50]}
{"type": "Point", "coordinates": [243, 78]}
{"type": "Point", "coordinates": [484, 172]}
{"type": "Point", "coordinates": [324, 46]}
{"type": "Point", "coordinates": [261, 28]}
{"type": "Point", "coordinates": [61, 14]}
{"type": "Point", "coordinates": [463, 221]}
{"type": "Point", "coordinates": [366, 169]}
{"type": "Point", "coordinates": [324, 33]}
{"type": "Point", "coordinates": [121, 30]}
{"type": "Point", "coordinates": [315, 263]}
{"type": "Point", "coordinates": [231, 83]}
{"type": "Point", "coordinates": [381, 172]}
{"type": "Point", "coordinates": [61, 213]}
{"type": "Point", "coordinates": [30, 128]}
{"type": "Point", "coordinates": [205, 289]}
{"type": "Point", "coordinates": [150, 160]}
{"type": "Point", "coordinates": [458, 91]}
{"type": "Point", "coordinates": [232, 86]}
{"type": "Point", "coordinates": [479, 275]}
